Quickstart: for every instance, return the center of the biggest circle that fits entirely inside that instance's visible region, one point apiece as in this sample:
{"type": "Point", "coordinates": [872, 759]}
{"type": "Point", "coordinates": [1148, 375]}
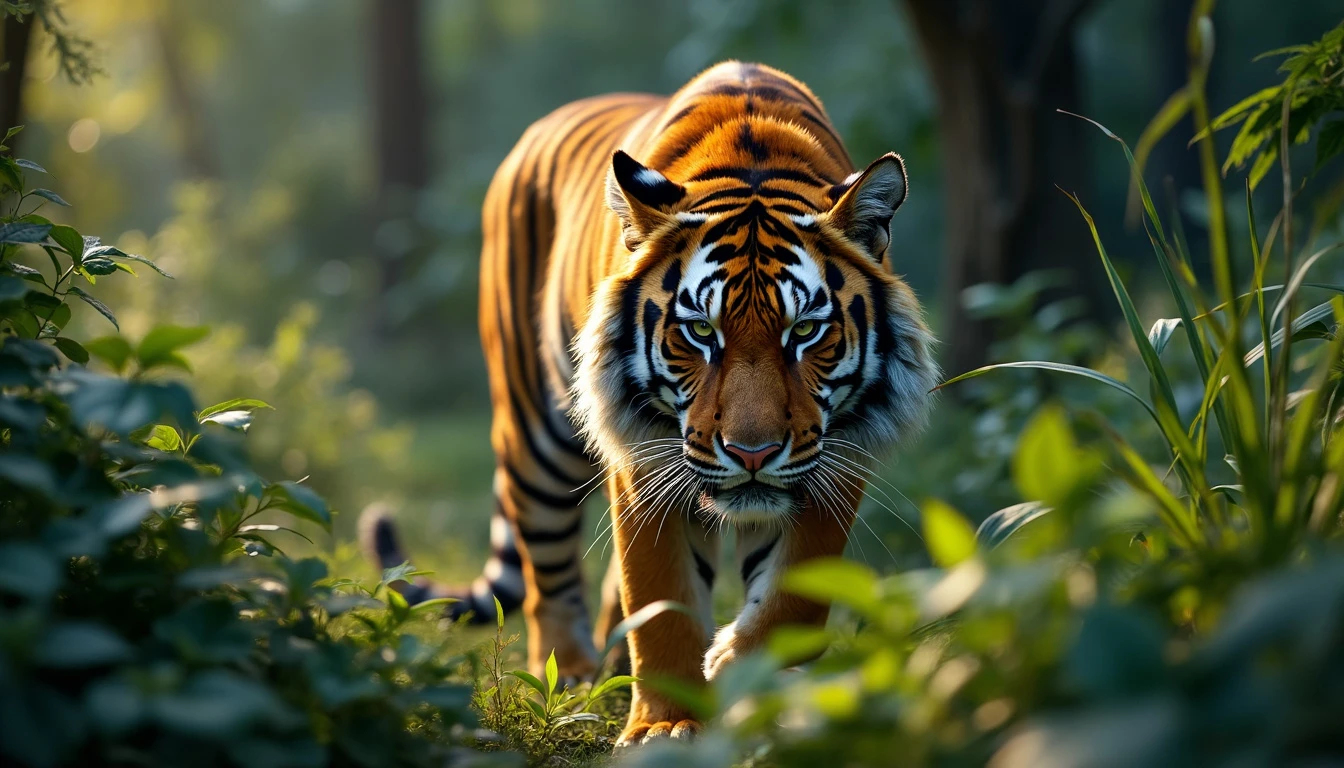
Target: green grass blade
{"type": "Point", "coordinates": [1045, 365]}
{"type": "Point", "coordinates": [1177, 517]}
{"type": "Point", "coordinates": [1192, 458]}
{"type": "Point", "coordinates": [1332, 287]}
{"type": "Point", "coordinates": [1258, 285]}
{"type": "Point", "coordinates": [1302, 322]}
{"type": "Point", "coordinates": [1298, 280]}
{"type": "Point", "coordinates": [1171, 112]}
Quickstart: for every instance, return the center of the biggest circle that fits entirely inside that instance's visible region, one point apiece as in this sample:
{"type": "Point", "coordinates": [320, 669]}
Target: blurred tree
{"type": "Point", "coordinates": [401, 116]}
{"type": "Point", "coordinates": [18, 33]}
{"type": "Point", "coordinates": [1000, 69]}
{"type": "Point", "coordinates": [197, 147]}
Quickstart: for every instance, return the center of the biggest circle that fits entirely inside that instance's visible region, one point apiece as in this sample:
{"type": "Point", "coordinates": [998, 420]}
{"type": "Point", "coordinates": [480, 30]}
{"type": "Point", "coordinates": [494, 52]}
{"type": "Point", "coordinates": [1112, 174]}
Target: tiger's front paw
{"type": "Point", "coordinates": [723, 651]}
{"type": "Point", "coordinates": [644, 732]}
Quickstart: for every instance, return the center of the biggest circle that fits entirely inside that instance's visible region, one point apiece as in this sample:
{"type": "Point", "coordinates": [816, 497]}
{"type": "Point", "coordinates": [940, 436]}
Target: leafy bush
{"type": "Point", "coordinates": [1186, 609]}
{"type": "Point", "coordinates": [148, 614]}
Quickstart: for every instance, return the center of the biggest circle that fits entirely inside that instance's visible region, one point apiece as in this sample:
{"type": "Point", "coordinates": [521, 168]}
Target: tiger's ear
{"type": "Point", "coordinates": [641, 197]}
{"type": "Point", "coordinates": [866, 201]}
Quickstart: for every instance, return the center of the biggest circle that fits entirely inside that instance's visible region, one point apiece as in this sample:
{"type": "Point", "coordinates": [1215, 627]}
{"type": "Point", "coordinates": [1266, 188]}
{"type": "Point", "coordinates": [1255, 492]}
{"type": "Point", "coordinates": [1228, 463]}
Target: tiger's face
{"type": "Point", "coordinates": [758, 341]}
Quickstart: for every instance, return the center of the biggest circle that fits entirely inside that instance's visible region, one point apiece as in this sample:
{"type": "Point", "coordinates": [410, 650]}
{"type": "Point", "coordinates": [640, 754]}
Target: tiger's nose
{"type": "Point", "coordinates": [753, 458]}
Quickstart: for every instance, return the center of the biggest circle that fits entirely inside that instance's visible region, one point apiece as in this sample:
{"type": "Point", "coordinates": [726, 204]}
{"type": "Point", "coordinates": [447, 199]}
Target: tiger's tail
{"type": "Point", "coordinates": [501, 579]}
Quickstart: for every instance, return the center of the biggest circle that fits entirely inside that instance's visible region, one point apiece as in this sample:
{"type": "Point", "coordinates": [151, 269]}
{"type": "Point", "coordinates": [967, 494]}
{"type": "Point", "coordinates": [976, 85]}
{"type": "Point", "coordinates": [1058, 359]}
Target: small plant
{"type": "Point", "coordinates": [554, 708]}
{"type": "Point", "coordinates": [533, 714]}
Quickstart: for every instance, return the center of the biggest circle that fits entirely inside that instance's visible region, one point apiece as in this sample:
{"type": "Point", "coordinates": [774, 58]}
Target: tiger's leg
{"type": "Point", "coordinates": [609, 615]}
{"type": "Point", "coordinates": [665, 555]}
{"type": "Point", "coordinates": [764, 554]}
{"type": "Point", "coordinates": [545, 513]}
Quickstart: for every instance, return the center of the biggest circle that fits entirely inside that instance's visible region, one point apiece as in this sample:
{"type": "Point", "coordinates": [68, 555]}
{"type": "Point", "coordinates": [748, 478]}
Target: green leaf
{"type": "Point", "coordinates": [96, 304]}
{"type": "Point", "coordinates": [1161, 332]}
{"type": "Point", "coordinates": [266, 527]}
{"type": "Point", "coordinates": [69, 240]}
{"type": "Point", "coordinates": [499, 613]}
{"type": "Point", "coordinates": [834, 579]}
{"type": "Point", "coordinates": [1302, 328]}
{"type": "Point", "coordinates": [1048, 465]}
{"type": "Point", "coordinates": [302, 502]}
{"type": "Point", "coordinates": [949, 537]}
{"type": "Point", "coordinates": [236, 420]}
{"type": "Point", "coordinates": [1329, 142]}
{"type": "Point", "coordinates": [58, 318]}
{"type": "Point", "coordinates": [113, 350]}
{"type": "Point", "coordinates": [530, 679]}
{"type": "Point", "coordinates": [77, 644]}
{"type": "Point", "coordinates": [142, 260]}
{"type": "Point", "coordinates": [159, 345]}
{"type": "Point", "coordinates": [72, 349]}
{"type": "Point", "coordinates": [29, 472]}
{"type": "Point", "coordinates": [98, 265]}
{"type": "Point", "coordinates": [403, 572]}
{"type": "Point", "coordinates": [590, 717]}
{"type": "Point", "coordinates": [538, 712]}
{"type": "Point", "coordinates": [999, 526]}
{"type": "Point", "coordinates": [12, 289]}
{"type": "Point", "coordinates": [164, 438]}
{"type": "Point", "coordinates": [10, 174]}
{"type": "Point", "coordinates": [396, 603]}
{"type": "Point", "coordinates": [552, 674]}
{"type": "Point", "coordinates": [47, 194]}
{"type": "Point", "coordinates": [21, 232]}
{"type": "Point", "coordinates": [30, 165]}
{"type": "Point", "coordinates": [613, 683]}
{"type": "Point", "coordinates": [236, 404]}
{"type": "Point", "coordinates": [792, 644]}
{"type": "Point", "coordinates": [433, 602]}
{"type": "Point", "coordinates": [29, 570]}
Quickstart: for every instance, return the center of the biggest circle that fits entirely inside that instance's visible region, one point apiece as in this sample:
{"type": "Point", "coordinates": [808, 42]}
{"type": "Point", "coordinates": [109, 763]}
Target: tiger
{"type": "Point", "coordinates": [689, 300]}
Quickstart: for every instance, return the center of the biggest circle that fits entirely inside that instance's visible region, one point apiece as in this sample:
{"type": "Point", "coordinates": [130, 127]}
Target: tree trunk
{"type": "Point", "coordinates": [401, 114]}
{"type": "Point", "coordinates": [1000, 70]}
{"type": "Point", "coordinates": [17, 34]}
{"type": "Point", "coordinates": [197, 145]}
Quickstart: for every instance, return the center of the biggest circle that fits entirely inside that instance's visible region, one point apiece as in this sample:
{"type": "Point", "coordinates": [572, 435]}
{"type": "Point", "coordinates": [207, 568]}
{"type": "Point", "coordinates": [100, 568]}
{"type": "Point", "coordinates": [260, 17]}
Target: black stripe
{"type": "Point", "coordinates": [787, 195]}
{"type": "Point", "coordinates": [757, 176]}
{"type": "Point", "coordinates": [753, 561]}
{"type": "Point", "coordinates": [549, 537]}
{"type": "Point", "coordinates": [545, 498]}
{"type": "Point", "coordinates": [509, 556]}
{"type": "Point", "coordinates": [563, 586]}
{"type": "Point", "coordinates": [703, 567]}
{"type": "Point", "coordinates": [554, 568]}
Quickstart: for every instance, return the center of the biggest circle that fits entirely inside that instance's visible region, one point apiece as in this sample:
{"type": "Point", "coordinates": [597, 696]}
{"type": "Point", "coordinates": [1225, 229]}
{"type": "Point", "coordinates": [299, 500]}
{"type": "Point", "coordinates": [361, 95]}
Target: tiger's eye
{"type": "Point", "coordinates": [702, 329]}
{"type": "Point", "coordinates": [804, 329]}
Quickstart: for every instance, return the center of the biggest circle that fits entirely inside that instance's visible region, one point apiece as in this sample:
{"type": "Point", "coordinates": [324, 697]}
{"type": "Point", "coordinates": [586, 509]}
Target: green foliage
{"type": "Point", "coordinates": [1311, 97]}
{"type": "Point", "coordinates": [148, 614]}
{"type": "Point", "coordinates": [543, 718]}
{"type": "Point", "coordinates": [74, 54]}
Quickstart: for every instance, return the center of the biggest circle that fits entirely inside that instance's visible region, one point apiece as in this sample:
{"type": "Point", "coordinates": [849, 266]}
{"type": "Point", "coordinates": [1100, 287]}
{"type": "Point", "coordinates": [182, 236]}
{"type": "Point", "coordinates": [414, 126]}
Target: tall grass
{"type": "Point", "coordinates": [1271, 397]}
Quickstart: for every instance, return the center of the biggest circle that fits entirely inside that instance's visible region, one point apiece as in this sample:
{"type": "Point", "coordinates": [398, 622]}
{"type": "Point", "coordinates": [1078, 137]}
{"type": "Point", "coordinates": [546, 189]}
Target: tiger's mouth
{"type": "Point", "coordinates": [751, 501]}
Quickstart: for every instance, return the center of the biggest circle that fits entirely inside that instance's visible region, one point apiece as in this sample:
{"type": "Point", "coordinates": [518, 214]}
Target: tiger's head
{"type": "Point", "coordinates": [757, 336]}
